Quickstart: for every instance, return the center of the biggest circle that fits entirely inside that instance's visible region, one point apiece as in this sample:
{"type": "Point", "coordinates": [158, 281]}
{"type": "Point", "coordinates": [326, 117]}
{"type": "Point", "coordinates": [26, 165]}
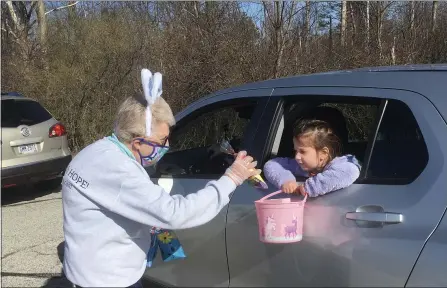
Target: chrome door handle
{"type": "Point", "coordinates": [378, 217]}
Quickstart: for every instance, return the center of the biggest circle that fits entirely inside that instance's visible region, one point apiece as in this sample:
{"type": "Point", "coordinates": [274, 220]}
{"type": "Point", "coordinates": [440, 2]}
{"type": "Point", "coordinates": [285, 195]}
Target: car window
{"type": "Point", "coordinates": [352, 122]}
{"type": "Point", "coordinates": [210, 127]}
{"type": "Point", "coordinates": [194, 144]}
{"type": "Point", "coordinates": [359, 119]}
{"type": "Point", "coordinates": [22, 112]}
{"type": "Point", "coordinates": [400, 153]}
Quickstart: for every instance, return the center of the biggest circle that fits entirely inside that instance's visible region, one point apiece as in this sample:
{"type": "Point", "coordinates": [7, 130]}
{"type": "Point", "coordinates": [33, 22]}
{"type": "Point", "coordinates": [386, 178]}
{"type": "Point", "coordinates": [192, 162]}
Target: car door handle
{"type": "Point", "coordinates": [379, 217]}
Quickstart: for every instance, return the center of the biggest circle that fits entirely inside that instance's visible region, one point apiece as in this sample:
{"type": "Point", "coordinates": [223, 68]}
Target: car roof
{"type": "Point", "coordinates": [368, 77]}
{"type": "Point", "coordinates": [429, 80]}
{"type": "Point", "coordinates": [14, 95]}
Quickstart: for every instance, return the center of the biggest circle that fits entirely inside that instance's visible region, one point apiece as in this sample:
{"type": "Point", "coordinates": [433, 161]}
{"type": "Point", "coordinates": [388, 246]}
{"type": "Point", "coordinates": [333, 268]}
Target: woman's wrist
{"type": "Point", "coordinates": [232, 179]}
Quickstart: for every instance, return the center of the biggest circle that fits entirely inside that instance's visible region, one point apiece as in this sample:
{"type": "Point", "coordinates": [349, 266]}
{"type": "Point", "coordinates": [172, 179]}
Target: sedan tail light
{"type": "Point", "coordinates": [57, 130]}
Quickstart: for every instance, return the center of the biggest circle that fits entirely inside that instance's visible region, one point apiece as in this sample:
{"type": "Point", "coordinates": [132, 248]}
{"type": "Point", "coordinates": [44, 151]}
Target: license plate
{"type": "Point", "coordinates": [28, 149]}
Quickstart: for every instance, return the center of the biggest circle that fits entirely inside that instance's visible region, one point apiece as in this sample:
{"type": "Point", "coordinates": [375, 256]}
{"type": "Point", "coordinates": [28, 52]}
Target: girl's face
{"type": "Point", "coordinates": [307, 156]}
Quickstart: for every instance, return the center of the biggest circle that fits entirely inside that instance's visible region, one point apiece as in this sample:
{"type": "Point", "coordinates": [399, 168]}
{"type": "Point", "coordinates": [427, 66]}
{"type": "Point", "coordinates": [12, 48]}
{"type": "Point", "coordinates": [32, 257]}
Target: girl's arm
{"type": "Point", "coordinates": [280, 170]}
{"type": "Point", "coordinates": [337, 176]}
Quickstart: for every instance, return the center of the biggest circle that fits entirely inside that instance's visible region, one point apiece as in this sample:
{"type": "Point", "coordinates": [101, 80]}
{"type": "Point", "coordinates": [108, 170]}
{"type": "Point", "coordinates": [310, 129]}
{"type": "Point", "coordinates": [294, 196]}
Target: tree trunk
{"type": "Point", "coordinates": [434, 39]}
{"type": "Point", "coordinates": [343, 22]}
{"type": "Point", "coordinates": [19, 32]}
{"type": "Point", "coordinates": [434, 13]}
{"type": "Point", "coordinates": [353, 23]}
{"type": "Point", "coordinates": [367, 25]}
{"type": "Point", "coordinates": [393, 52]}
{"type": "Point", "coordinates": [307, 26]}
{"type": "Point", "coordinates": [71, 12]}
{"type": "Point", "coordinates": [379, 29]}
{"type": "Point", "coordinates": [41, 21]}
{"type": "Point", "coordinates": [42, 26]}
{"type": "Point", "coordinates": [331, 41]}
{"type": "Point", "coordinates": [278, 39]}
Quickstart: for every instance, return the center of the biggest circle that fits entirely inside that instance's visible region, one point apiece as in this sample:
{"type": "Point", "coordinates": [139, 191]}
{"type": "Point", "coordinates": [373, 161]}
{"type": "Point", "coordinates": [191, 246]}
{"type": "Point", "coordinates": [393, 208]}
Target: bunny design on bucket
{"type": "Point", "coordinates": [291, 231]}
{"type": "Point", "coordinates": [280, 220]}
{"type": "Point", "coordinates": [270, 226]}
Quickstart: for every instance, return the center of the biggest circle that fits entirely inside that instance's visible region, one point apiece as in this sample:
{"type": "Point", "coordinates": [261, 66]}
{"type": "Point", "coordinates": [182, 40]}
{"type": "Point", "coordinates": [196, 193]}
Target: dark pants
{"type": "Point", "coordinates": [139, 284]}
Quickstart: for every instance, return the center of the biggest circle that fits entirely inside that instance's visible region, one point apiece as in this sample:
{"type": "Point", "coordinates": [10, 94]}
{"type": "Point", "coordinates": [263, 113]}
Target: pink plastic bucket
{"type": "Point", "coordinates": [280, 220]}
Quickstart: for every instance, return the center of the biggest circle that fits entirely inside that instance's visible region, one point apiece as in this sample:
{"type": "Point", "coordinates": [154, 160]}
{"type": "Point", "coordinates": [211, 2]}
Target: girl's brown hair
{"type": "Point", "coordinates": [321, 134]}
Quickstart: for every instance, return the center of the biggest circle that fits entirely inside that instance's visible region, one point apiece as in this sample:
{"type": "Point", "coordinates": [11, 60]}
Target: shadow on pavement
{"type": "Point", "coordinates": [13, 195]}
{"type": "Point", "coordinates": [54, 281]}
{"type": "Point", "coordinates": [59, 281]}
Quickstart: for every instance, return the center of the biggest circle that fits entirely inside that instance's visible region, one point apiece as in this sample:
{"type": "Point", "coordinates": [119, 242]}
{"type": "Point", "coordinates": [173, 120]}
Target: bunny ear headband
{"type": "Point", "coordinates": [152, 91]}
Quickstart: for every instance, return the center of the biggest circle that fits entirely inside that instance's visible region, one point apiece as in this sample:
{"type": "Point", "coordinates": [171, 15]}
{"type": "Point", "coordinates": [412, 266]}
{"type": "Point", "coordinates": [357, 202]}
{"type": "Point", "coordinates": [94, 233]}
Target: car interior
{"type": "Point", "coordinates": [205, 157]}
{"type": "Point", "coordinates": [398, 138]}
{"type": "Point", "coordinates": [300, 111]}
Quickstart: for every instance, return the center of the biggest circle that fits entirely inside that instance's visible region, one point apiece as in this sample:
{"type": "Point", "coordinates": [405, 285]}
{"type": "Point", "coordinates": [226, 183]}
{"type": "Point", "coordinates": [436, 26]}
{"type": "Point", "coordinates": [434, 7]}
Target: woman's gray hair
{"type": "Point", "coordinates": [130, 121]}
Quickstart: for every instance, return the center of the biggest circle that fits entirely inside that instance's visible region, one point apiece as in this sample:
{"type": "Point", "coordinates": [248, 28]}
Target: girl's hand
{"type": "Point", "coordinates": [289, 187]}
{"type": "Point", "coordinates": [300, 190]}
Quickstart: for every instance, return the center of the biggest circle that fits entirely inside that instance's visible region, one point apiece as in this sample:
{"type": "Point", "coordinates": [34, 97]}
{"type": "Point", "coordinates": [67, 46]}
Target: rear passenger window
{"type": "Point", "coordinates": [399, 153]}
{"type": "Point", "coordinates": [22, 112]}
{"type": "Point", "coordinates": [396, 155]}
{"type": "Point", "coordinates": [353, 123]}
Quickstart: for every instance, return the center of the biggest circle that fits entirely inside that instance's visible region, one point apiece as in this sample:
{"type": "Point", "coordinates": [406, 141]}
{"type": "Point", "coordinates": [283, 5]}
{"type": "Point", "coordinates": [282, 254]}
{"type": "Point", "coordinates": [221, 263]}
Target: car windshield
{"type": "Point", "coordinates": [22, 112]}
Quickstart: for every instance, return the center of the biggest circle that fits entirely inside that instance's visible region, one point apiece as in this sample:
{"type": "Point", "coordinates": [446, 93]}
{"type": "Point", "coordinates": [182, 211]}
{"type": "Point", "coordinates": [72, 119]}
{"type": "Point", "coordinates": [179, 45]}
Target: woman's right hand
{"type": "Point", "coordinates": [242, 168]}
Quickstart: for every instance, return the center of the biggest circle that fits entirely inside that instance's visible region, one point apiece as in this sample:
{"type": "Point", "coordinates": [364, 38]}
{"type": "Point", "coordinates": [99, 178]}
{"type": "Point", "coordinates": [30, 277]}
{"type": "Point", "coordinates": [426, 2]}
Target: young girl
{"type": "Point", "coordinates": [318, 157]}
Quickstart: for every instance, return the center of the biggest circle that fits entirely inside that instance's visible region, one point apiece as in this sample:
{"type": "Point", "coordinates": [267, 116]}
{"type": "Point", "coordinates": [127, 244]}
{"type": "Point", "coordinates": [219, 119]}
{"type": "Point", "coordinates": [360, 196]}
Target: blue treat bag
{"type": "Point", "coordinates": [167, 242]}
{"type": "Point", "coordinates": [170, 246]}
{"type": "Point", "coordinates": [152, 250]}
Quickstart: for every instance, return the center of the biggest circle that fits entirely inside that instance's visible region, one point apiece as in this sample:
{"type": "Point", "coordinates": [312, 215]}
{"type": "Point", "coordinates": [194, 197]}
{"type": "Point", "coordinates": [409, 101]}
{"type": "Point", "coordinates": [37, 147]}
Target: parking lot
{"type": "Point", "coordinates": [32, 238]}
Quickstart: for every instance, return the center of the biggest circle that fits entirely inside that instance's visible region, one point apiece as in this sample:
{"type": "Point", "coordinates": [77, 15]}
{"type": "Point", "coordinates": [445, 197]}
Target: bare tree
{"type": "Point", "coordinates": [343, 22]}
{"type": "Point", "coordinates": [434, 13]}
{"type": "Point", "coordinates": [307, 26]}
{"type": "Point", "coordinates": [41, 21]}
{"type": "Point", "coordinates": [367, 24]}
{"type": "Point", "coordinates": [280, 16]}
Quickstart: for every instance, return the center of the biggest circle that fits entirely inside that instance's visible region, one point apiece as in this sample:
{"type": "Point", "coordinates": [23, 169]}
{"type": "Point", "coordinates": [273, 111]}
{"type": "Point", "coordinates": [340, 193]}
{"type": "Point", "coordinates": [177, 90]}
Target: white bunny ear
{"type": "Point", "coordinates": [156, 87]}
{"type": "Point", "coordinates": [152, 89]}
{"type": "Point", "coordinates": [146, 76]}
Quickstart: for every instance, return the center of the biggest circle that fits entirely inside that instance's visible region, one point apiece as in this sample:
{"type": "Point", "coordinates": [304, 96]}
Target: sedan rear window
{"type": "Point", "coordinates": [22, 112]}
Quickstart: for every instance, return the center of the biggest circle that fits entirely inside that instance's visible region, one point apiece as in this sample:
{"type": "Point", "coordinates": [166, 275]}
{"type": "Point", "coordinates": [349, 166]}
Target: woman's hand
{"type": "Point", "coordinates": [242, 168]}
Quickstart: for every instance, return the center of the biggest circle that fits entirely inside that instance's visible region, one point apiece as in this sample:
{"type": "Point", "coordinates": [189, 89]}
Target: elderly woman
{"type": "Point", "coordinates": [110, 203]}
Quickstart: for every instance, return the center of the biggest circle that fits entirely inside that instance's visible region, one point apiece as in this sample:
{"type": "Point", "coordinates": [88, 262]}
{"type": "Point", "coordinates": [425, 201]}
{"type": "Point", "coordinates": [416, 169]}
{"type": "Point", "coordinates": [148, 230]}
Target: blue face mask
{"type": "Point", "coordinates": [157, 152]}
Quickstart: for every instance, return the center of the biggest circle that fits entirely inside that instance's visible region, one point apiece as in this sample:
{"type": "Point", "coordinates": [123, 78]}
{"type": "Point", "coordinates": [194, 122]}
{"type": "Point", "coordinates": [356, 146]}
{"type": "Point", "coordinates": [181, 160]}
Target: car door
{"type": "Point", "coordinates": [194, 159]}
{"type": "Point", "coordinates": [429, 270]}
{"type": "Point", "coordinates": [369, 234]}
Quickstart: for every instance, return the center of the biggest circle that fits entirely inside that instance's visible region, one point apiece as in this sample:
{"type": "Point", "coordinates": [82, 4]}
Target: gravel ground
{"type": "Point", "coordinates": [32, 238]}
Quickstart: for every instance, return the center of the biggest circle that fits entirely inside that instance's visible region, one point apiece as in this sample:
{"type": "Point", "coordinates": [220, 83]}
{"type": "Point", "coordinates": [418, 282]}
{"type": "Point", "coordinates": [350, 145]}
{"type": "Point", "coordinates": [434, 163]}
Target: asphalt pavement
{"type": "Point", "coordinates": [32, 237]}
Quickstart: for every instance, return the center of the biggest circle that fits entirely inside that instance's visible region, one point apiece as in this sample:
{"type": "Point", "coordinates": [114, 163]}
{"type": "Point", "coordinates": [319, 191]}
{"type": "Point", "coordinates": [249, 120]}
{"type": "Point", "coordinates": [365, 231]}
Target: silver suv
{"type": "Point", "coordinates": [34, 144]}
{"type": "Point", "coordinates": [388, 229]}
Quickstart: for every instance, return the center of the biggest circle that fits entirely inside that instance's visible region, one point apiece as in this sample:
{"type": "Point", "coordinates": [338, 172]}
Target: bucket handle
{"type": "Point", "coordinates": [276, 193]}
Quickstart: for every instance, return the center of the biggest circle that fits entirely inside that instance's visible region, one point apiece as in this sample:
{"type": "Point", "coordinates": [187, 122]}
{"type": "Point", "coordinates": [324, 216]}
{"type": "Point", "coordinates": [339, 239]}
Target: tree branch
{"type": "Point", "coordinates": [61, 7]}
{"type": "Point", "coordinates": [13, 15]}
